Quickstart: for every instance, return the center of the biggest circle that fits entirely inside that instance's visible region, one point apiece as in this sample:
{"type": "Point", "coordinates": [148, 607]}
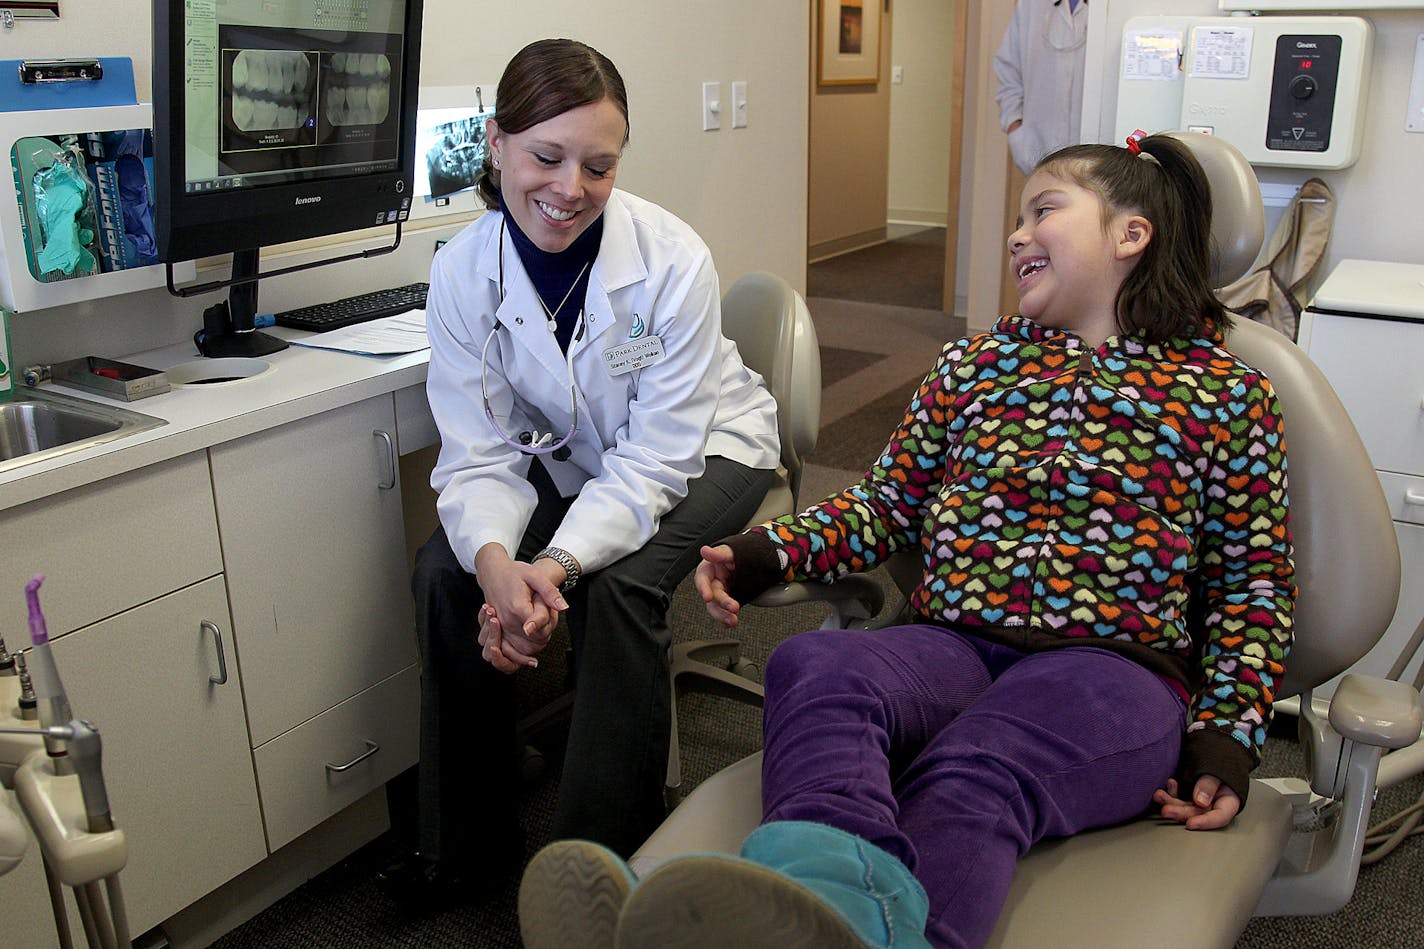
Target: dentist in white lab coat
{"type": "Point", "coordinates": [596, 430]}
{"type": "Point", "coordinates": [1039, 66]}
{"type": "Point", "coordinates": [642, 433]}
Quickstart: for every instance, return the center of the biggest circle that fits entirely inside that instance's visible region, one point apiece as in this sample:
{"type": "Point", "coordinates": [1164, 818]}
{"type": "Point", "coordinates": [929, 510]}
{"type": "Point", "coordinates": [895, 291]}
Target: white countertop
{"type": "Point", "coordinates": [1373, 287]}
{"type": "Point", "coordinates": [302, 382]}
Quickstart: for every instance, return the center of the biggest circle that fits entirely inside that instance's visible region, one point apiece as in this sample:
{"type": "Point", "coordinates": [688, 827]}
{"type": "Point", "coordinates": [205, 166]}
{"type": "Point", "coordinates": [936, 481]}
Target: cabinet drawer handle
{"type": "Point", "coordinates": [371, 749]}
{"type": "Point", "coordinates": [1413, 497]}
{"type": "Point", "coordinates": [221, 677]}
{"type": "Point", "coordinates": [390, 459]}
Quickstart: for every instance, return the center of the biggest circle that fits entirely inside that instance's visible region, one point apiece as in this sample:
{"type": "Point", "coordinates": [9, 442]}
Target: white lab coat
{"type": "Point", "coordinates": [1041, 84]}
{"type": "Point", "coordinates": [641, 436]}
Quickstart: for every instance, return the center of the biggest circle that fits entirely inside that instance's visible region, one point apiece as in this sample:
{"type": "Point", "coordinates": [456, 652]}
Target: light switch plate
{"type": "Point", "coordinates": [739, 105]}
{"type": "Point", "coordinates": [1414, 118]}
{"type": "Point", "coordinates": [711, 106]}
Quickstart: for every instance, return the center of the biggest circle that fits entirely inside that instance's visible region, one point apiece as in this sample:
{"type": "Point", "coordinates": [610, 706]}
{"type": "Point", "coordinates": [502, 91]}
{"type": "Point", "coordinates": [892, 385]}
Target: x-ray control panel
{"type": "Point", "coordinates": [1288, 91]}
{"type": "Point", "coordinates": [1303, 85]}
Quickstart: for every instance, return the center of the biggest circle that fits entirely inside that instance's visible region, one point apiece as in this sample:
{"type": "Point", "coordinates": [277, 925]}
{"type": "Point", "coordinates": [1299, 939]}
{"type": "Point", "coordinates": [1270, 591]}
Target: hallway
{"type": "Point", "coordinates": [907, 270]}
{"type": "Point", "coordinates": [880, 326]}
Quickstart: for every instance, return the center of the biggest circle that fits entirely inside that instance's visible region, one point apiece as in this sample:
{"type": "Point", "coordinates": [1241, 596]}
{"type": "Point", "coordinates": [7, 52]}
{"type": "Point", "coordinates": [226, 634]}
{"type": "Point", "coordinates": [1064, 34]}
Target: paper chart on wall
{"type": "Point", "coordinates": [1152, 54]}
{"type": "Point", "coordinates": [1221, 52]}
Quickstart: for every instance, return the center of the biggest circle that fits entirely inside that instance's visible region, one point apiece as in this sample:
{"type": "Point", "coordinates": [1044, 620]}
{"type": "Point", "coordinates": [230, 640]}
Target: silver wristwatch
{"type": "Point", "coordinates": [564, 559]}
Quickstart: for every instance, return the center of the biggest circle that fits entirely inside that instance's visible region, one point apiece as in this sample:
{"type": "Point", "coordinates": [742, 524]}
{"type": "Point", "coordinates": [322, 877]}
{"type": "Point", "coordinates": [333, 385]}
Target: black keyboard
{"type": "Point", "coordinates": [321, 317]}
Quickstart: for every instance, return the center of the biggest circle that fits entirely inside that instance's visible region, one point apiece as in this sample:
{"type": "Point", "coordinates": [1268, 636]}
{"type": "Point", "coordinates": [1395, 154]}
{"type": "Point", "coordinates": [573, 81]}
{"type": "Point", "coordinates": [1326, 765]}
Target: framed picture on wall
{"type": "Point", "coordinates": [849, 32]}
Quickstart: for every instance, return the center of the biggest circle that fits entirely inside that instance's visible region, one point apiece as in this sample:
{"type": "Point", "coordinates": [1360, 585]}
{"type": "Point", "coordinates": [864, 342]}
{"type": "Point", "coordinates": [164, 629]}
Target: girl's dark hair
{"type": "Point", "coordinates": [545, 79]}
{"type": "Point", "coordinates": [1169, 292]}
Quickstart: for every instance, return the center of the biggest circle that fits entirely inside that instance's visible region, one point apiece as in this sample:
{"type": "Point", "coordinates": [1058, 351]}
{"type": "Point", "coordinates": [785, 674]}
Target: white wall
{"type": "Point", "coordinates": [1379, 199]}
{"type": "Point", "coordinates": [744, 190]}
{"type": "Point", "coordinates": [920, 113]}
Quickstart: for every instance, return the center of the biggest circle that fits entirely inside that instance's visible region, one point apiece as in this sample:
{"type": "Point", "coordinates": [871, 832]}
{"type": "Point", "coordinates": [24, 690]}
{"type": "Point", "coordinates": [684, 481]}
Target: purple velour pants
{"type": "Point", "coordinates": [956, 755]}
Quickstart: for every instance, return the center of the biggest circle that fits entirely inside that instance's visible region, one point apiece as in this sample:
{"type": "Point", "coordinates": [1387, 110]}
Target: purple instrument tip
{"type": "Point", "coordinates": [39, 633]}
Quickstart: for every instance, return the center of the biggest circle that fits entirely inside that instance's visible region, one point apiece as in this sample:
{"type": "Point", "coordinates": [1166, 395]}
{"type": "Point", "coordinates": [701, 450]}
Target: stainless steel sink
{"type": "Point", "coordinates": [38, 423]}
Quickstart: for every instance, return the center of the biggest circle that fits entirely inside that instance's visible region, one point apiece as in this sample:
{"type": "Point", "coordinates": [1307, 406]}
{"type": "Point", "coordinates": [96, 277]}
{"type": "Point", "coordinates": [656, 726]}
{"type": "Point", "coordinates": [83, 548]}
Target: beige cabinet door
{"type": "Point", "coordinates": [176, 760]}
{"type": "Point", "coordinates": [313, 545]}
{"type": "Point", "coordinates": [109, 546]}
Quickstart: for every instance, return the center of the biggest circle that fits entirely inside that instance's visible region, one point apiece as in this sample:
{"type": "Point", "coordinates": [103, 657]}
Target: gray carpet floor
{"type": "Point", "coordinates": [868, 377]}
{"type": "Point", "coordinates": [906, 271]}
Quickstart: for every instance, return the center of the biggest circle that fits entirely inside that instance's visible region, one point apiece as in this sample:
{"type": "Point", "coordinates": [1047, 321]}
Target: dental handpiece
{"type": "Point", "coordinates": [49, 690]}
{"type": "Point", "coordinates": [87, 753]}
{"type": "Point", "coordinates": [86, 757]}
{"type": "Point", "coordinates": [7, 661]}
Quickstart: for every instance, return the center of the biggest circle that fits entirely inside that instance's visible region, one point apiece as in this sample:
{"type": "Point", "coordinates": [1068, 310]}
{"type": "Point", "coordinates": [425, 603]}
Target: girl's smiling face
{"type": "Point", "coordinates": [1069, 255]}
{"type": "Point", "coordinates": [555, 177]}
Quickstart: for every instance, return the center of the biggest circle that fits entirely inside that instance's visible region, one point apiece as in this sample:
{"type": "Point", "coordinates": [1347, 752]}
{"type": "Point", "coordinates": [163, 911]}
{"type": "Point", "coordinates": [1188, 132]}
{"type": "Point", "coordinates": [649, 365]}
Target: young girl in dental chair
{"type": "Point", "coordinates": [1097, 489]}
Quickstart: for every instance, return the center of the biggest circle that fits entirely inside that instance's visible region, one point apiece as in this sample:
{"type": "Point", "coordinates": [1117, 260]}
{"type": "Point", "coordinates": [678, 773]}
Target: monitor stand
{"type": "Point", "coordinates": [229, 328]}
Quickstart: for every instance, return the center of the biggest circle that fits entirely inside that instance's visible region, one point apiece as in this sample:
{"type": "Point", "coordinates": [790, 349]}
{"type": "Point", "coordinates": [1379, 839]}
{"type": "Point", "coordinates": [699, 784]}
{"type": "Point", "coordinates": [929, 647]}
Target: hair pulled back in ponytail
{"type": "Point", "coordinates": [1169, 292]}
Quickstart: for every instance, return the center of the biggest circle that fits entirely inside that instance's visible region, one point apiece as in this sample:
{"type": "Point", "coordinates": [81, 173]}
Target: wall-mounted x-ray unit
{"type": "Point", "coordinates": [1288, 91]}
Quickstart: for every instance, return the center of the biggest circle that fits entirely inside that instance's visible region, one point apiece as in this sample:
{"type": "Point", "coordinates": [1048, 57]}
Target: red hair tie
{"type": "Point", "coordinates": [1133, 141]}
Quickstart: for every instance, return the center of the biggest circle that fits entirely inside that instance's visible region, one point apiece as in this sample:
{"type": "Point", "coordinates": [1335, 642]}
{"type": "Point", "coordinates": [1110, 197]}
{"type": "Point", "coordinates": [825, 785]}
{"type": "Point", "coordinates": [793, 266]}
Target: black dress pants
{"type": "Point", "coordinates": [616, 758]}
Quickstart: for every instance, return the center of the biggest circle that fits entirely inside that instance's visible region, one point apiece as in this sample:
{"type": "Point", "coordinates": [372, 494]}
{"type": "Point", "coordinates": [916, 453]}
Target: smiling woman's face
{"type": "Point", "coordinates": [555, 177]}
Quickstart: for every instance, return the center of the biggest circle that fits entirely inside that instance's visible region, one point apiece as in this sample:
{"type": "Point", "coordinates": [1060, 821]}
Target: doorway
{"type": "Point", "coordinates": [883, 182]}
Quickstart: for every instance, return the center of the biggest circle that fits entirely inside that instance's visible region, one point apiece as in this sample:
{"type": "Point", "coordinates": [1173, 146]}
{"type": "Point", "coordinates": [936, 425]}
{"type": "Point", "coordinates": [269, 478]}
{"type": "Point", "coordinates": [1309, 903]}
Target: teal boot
{"type": "Point", "coordinates": [797, 885]}
{"type": "Point", "coordinates": [571, 895]}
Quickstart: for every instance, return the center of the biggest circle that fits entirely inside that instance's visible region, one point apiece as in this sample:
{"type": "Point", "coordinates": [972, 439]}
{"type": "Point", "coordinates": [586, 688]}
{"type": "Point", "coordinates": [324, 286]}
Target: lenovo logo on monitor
{"type": "Point", "coordinates": [314, 199]}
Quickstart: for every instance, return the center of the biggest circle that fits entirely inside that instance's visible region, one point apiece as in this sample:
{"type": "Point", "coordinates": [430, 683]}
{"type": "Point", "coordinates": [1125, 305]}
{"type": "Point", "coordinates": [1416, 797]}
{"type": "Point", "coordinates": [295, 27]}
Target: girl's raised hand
{"type": "Point", "coordinates": [714, 575]}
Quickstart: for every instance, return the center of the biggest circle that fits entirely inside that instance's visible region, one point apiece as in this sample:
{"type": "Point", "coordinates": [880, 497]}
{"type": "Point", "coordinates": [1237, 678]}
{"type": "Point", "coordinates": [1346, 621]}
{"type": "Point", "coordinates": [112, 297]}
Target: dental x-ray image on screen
{"type": "Point", "coordinates": [453, 143]}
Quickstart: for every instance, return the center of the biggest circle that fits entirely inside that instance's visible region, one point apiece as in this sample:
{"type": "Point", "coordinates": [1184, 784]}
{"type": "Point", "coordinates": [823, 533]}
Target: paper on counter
{"type": "Point", "coordinates": [387, 336]}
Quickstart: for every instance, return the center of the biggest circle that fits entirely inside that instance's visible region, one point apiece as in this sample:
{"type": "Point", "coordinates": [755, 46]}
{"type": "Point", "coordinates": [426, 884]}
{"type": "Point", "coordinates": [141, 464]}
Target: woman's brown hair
{"type": "Point", "coordinates": [545, 79]}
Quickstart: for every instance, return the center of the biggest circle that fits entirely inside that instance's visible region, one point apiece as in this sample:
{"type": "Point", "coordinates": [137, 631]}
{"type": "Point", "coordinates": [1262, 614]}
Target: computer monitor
{"type": "Point", "coordinates": [277, 121]}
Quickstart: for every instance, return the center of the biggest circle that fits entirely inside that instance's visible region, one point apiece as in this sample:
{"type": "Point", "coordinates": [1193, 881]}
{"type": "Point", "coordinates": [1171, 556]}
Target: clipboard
{"type": "Point", "coordinates": [112, 84]}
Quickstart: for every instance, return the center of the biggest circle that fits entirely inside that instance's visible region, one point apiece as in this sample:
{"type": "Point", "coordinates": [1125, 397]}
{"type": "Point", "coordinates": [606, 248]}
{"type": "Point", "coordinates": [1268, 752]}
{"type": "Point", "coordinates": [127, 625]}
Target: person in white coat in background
{"type": "Point", "coordinates": [596, 430]}
{"type": "Point", "coordinates": [1039, 67]}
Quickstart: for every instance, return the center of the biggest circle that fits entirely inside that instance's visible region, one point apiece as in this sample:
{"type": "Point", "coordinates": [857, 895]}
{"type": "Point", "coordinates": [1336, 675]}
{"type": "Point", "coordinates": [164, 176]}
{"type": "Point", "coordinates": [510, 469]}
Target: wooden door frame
{"type": "Point", "coordinates": [958, 50]}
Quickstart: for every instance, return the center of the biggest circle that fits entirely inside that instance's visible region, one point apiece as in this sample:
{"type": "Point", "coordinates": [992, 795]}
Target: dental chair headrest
{"type": "Point", "coordinates": [1238, 220]}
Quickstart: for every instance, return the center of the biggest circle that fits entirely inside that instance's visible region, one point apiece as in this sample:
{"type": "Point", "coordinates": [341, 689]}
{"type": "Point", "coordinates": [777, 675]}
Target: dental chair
{"type": "Point", "coordinates": [769, 322]}
{"type": "Point", "coordinates": [1295, 849]}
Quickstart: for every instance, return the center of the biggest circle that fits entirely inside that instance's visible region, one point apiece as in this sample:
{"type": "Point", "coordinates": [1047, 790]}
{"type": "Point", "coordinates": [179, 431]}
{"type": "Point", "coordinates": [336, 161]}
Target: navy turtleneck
{"type": "Point", "coordinates": [562, 274]}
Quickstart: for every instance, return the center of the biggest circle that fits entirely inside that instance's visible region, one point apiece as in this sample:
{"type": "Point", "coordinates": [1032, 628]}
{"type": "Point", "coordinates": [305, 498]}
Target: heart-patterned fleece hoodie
{"type": "Point", "coordinates": [1130, 497]}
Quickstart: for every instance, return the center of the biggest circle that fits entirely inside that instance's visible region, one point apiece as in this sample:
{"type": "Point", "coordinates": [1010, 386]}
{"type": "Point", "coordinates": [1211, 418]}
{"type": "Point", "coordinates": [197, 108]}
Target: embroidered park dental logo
{"type": "Point", "coordinates": [639, 327]}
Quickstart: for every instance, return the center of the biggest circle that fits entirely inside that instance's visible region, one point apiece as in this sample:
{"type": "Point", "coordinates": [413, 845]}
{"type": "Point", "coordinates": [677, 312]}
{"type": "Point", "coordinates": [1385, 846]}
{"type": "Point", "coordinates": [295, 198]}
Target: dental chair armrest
{"type": "Point", "coordinates": [851, 598]}
{"type": "Point", "coordinates": [1376, 711]}
{"type": "Point", "coordinates": [1365, 711]}
{"type": "Point", "coordinates": [1368, 715]}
